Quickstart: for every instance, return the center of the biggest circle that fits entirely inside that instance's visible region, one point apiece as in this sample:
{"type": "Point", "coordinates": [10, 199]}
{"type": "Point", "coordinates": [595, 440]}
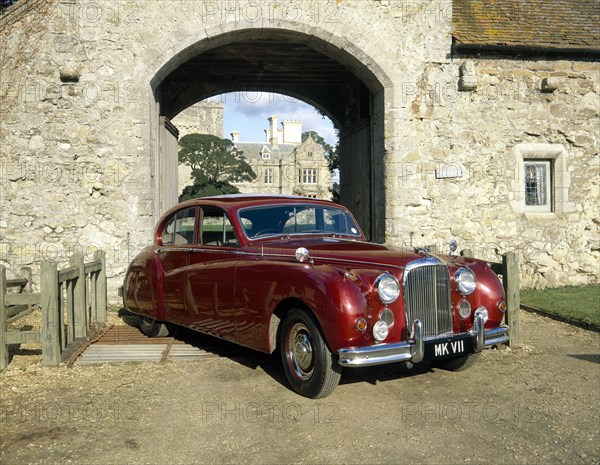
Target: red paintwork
{"type": "Point", "coordinates": [233, 292]}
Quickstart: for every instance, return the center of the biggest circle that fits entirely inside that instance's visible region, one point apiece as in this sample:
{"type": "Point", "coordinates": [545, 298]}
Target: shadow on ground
{"type": "Point", "coordinates": [271, 364]}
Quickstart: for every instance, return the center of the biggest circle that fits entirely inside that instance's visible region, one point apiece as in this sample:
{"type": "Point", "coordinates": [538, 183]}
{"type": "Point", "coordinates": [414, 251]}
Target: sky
{"type": "Point", "coordinates": [247, 112]}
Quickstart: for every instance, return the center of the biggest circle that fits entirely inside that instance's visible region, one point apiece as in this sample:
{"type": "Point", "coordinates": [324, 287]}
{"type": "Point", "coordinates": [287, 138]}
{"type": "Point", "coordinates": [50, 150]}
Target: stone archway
{"type": "Point", "coordinates": [312, 69]}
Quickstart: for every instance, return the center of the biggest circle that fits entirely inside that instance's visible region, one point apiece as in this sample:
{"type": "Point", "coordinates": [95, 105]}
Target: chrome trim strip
{"type": "Point", "coordinates": [291, 256]}
{"type": "Point", "coordinates": [174, 249]}
{"type": "Point", "coordinates": [418, 263]}
{"type": "Point", "coordinates": [413, 350]}
{"type": "Point", "coordinates": [494, 336]}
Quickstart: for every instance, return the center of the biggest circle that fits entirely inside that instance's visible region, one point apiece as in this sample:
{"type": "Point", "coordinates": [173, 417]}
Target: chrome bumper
{"type": "Point", "coordinates": [414, 349]}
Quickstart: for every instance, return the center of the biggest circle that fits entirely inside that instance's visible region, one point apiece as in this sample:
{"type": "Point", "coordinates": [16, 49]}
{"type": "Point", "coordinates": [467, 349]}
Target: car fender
{"type": "Point", "coordinates": [143, 285]}
{"type": "Point", "coordinates": [323, 290]}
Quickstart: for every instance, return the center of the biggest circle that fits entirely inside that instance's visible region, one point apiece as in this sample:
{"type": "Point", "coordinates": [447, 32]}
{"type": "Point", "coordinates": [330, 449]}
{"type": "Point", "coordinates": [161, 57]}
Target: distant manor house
{"type": "Point", "coordinates": [283, 164]}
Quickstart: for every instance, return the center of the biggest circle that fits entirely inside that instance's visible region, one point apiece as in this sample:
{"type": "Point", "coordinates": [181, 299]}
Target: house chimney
{"type": "Point", "coordinates": [292, 132]}
{"type": "Point", "coordinates": [274, 141]}
{"type": "Point", "coordinates": [235, 135]}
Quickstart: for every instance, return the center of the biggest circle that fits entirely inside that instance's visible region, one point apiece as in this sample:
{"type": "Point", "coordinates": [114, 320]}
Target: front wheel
{"type": "Point", "coordinates": [458, 364]}
{"type": "Point", "coordinates": [152, 328]}
{"type": "Point", "coordinates": [310, 367]}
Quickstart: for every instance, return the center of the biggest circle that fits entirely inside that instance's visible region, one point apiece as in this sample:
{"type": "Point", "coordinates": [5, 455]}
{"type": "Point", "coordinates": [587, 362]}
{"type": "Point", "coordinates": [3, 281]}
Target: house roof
{"type": "Point", "coordinates": [562, 25]}
{"type": "Point", "coordinates": [251, 149]}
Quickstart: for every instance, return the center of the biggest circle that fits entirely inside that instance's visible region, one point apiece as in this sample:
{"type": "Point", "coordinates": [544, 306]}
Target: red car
{"type": "Point", "coordinates": [297, 275]}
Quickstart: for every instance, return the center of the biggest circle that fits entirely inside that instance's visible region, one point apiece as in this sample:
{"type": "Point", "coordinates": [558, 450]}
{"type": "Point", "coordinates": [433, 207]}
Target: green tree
{"type": "Point", "coordinates": [333, 159]}
{"type": "Point", "coordinates": [215, 164]}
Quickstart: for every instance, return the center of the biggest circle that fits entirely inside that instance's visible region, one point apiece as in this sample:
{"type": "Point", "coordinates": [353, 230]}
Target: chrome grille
{"type": "Point", "coordinates": [426, 286]}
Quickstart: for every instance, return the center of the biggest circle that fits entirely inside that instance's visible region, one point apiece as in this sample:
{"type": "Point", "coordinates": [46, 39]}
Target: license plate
{"type": "Point", "coordinates": [448, 348]}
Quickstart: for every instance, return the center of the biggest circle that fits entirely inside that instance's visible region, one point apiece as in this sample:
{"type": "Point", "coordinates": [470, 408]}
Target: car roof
{"type": "Point", "coordinates": [237, 201]}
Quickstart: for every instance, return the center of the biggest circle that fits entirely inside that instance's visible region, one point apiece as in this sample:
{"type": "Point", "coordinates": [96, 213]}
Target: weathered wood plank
{"type": "Point", "coordinates": [101, 290]}
{"type": "Point", "coordinates": [17, 282]}
{"type": "Point", "coordinates": [79, 300]}
{"type": "Point", "coordinates": [93, 267]}
{"type": "Point", "coordinates": [14, 310]}
{"type": "Point", "coordinates": [23, 299]}
{"type": "Point", "coordinates": [3, 320]}
{"type": "Point", "coordinates": [70, 312]}
{"type": "Point", "coordinates": [510, 273]}
{"type": "Point", "coordinates": [50, 314]}
{"type": "Point", "coordinates": [68, 274]}
{"type": "Point", "coordinates": [21, 314]}
{"type": "Point", "coordinates": [22, 337]}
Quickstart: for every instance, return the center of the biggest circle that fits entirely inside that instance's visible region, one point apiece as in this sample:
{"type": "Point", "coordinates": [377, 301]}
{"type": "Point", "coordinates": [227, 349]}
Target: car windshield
{"type": "Point", "coordinates": [286, 220]}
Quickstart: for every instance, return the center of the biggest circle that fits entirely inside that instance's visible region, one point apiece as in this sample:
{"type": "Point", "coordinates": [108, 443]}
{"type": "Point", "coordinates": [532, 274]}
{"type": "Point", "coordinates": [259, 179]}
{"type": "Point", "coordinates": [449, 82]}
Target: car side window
{"type": "Point", "coordinates": [216, 228]}
{"type": "Point", "coordinates": [180, 228]}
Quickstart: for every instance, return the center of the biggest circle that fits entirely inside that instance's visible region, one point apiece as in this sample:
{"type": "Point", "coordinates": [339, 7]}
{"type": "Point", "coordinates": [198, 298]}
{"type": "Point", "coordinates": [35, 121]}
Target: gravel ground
{"type": "Point", "coordinates": [536, 405]}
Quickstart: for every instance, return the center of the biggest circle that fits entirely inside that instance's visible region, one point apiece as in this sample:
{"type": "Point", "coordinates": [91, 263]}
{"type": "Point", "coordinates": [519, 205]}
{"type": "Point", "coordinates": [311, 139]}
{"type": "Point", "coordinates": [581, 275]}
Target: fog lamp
{"type": "Point", "coordinates": [380, 330]}
{"type": "Point", "coordinates": [464, 309]}
{"type": "Point", "coordinates": [387, 316]}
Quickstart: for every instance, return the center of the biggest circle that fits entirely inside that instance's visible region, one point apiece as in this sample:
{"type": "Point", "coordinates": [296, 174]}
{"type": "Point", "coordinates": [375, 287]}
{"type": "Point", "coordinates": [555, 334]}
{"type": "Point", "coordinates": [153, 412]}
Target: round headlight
{"type": "Point", "coordinates": [380, 331]}
{"type": "Point", "coordinates": [465, 281]}
{"type": "Point", "coordinates": [387, 287]}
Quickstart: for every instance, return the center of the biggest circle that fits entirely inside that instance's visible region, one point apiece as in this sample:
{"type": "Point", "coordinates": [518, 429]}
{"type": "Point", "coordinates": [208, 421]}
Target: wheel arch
{"type": "Point", "coordinates": [279, 314]}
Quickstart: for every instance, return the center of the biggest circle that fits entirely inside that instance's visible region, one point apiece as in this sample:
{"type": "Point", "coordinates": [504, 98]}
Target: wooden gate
{"type": "Point", "coordinates": [167, 165]}
{"type": "Point", "coordinates": [355, 172]}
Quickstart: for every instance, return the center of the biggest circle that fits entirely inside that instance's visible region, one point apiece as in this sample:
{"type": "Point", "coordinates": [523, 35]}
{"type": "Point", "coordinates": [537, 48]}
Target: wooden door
{"type": "Point", "coordinates": [355, 172]}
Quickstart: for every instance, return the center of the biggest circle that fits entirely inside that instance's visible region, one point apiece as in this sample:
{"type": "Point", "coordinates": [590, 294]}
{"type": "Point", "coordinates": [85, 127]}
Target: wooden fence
{"type": "Point", "coordinates": [509, 270]}
{"type": "Point", "coordinates": [72, 301]}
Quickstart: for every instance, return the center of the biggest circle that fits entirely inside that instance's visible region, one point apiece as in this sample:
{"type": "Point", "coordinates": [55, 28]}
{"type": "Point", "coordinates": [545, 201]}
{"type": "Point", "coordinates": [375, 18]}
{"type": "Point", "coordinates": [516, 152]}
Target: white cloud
{"type": "Point", "coordinates": [247, 112]}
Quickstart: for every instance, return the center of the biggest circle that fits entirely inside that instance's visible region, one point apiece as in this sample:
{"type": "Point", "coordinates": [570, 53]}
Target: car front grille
{"type": "Point", "coordinates": [426, 286]}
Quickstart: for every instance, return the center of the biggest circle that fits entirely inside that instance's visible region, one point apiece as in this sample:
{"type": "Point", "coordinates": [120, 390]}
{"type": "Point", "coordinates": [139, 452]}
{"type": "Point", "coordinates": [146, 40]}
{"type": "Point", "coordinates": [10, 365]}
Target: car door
{"type": "Point", "coordinates": [210, 276]}
{"type": "Point", "coordinates": [178, 237]}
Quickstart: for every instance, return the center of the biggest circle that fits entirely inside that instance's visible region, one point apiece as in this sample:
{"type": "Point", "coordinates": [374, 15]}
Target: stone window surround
{"type": "Point", "coordinates": [309, 176]}
{"type": "Point", "coordinates": [543, 192]}
{"type": "Point", "coordinates": [561, 178]}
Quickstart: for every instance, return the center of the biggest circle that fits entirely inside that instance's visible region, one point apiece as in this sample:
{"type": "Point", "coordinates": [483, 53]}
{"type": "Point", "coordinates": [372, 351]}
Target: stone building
{"type": "Point", "coordinates": [205, 117]}
{"type": "Point", "coordinates": [467, 119]}
{"type": "Point", "coordinates": [284, 164]}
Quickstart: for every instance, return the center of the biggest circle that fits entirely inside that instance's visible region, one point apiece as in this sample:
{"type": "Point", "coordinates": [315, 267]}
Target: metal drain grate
{"type": "Point", "coordinates": [129, 344]}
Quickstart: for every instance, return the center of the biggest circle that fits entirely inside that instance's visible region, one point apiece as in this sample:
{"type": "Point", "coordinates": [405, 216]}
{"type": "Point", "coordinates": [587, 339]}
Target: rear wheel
{"type": "Point", "coordinates": [152, 328]}
{"type": "Point", "coordinates": [458, 364]}
{"type": "Point", "coordinates": [310, 367]}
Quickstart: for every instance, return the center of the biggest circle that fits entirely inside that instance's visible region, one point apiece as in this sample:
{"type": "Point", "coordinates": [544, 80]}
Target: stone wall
{"type": "Point", "coordinates": [461, 177]}
{"type": "Point", "coordinates": [78, 137]}
{"type": "Point", "coordinates": [205, 117]}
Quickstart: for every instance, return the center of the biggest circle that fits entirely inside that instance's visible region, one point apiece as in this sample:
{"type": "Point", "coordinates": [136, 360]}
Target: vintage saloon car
{"type": "Point", "coordinates": [297, 275]}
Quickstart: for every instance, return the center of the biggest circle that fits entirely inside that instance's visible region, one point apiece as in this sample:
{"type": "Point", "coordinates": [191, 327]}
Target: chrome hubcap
{"type": "Point", "coordinates": [300, 351]}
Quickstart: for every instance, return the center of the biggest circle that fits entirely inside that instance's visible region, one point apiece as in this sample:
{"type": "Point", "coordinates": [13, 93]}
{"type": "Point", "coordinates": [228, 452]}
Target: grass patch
{"type": "Point", "coordinates": [570, 303]}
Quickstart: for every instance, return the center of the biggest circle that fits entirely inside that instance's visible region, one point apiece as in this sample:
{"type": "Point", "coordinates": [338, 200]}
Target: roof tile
{"type": "Point", "coordinates": [559, 24]}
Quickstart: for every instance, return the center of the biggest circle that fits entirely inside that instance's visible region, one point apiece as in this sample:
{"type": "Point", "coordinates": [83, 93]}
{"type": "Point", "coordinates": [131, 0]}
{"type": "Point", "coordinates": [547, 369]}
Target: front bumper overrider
{"type": "Point", "coordinates": [413, 350]}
